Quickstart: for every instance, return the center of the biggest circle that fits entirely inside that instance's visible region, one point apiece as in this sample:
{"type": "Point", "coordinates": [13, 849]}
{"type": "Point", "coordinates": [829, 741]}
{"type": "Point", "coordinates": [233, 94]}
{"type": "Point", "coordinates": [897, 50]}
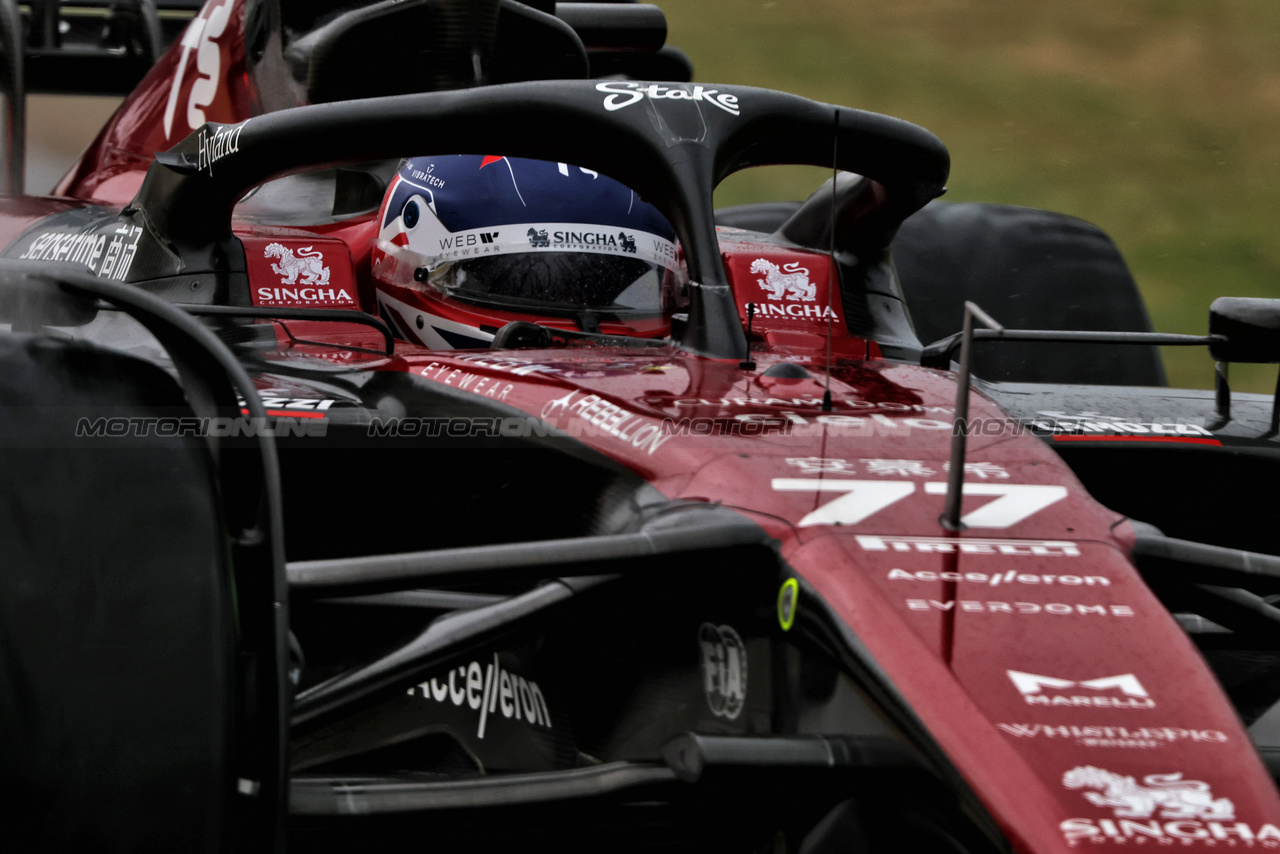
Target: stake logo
{"type": "Point", "coordinates": [619, 94]}
{"type": "Point", "coordinates": [1031, 686]}
{"type": "Point", "coordinates": [724, 670]}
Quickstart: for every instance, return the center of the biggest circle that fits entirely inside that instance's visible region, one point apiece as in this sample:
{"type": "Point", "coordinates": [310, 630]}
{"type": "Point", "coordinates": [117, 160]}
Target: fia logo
{"type": "Point", "coordinates": [724, 670]}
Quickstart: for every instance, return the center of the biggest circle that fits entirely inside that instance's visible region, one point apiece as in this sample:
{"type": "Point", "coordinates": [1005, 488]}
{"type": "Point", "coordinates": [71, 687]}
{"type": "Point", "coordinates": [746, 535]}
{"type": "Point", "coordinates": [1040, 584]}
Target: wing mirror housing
{"type": "Point", "coordinates": [1246, 330]}
{"type": "Point", "coordinates": [1243, 329]}
{"type": "Point", "coordinates": [30, 297]}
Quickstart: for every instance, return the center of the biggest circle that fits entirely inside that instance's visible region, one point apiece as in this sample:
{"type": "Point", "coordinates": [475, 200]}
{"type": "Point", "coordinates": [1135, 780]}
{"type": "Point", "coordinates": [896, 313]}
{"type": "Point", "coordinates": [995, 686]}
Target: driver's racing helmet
{"type": "Point", "coordinates": [469, 243]}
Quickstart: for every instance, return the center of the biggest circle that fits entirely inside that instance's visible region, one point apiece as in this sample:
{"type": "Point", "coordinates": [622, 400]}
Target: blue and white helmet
{"type": "Point", "coordinates": [525, 236]}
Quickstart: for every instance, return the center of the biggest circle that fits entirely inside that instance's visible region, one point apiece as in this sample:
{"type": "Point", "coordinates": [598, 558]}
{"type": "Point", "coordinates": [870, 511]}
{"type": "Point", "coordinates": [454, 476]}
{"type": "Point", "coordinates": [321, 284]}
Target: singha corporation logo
{"type": "Point", "coordinates": [539, 238]}
{"type": "Point", "coordinates": [305, 268]}
{"type": "Point", "coordinates": [1172, 795]}
{"type": "Point", "coordinates": [790, 281]}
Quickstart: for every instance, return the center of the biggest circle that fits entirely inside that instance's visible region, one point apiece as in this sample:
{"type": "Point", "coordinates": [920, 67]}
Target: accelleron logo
{"type": "Point", "coordinates": [489, 691]}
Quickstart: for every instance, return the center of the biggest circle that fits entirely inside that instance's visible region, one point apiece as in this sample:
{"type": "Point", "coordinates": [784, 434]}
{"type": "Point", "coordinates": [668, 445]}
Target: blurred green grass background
{"type": "Point", "coordinates": [1154, 119]}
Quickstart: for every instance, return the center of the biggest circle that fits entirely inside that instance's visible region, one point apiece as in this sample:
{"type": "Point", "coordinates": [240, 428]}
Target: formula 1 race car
{"type": "Point", "coordinates": [380, 473]}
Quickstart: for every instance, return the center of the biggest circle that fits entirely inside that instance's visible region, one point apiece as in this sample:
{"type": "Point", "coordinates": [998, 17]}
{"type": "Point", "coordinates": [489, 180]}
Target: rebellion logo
{"type": "Point", "coordinates": [724, 670]}
{"type": "Point", "coordinates": [1133, 696]}
{"type": "Point", "coordinates": [606, 418]}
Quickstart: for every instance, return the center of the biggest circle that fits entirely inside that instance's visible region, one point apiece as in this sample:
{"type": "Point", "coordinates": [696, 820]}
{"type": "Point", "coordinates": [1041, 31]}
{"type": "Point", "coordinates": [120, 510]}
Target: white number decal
{"type": "Point", "coordinates": [862, 499]}
{"type": "Point", "coordinates": [201, 36]}
{"type": "Point", "coordinates": [1016, 502]}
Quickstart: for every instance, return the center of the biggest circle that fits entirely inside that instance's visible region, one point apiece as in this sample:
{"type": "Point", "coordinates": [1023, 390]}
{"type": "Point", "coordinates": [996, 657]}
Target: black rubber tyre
{"type": "Point", "coordinates": [117, 634]}
{"type": "Point", "coordinates": [1028, 269]}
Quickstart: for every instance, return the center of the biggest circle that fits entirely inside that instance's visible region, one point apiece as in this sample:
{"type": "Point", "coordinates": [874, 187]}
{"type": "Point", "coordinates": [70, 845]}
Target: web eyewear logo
{"type": "Point", "coordinates": [1031, 686]}
{"type": "Point", "coordinates": [619, 94]}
